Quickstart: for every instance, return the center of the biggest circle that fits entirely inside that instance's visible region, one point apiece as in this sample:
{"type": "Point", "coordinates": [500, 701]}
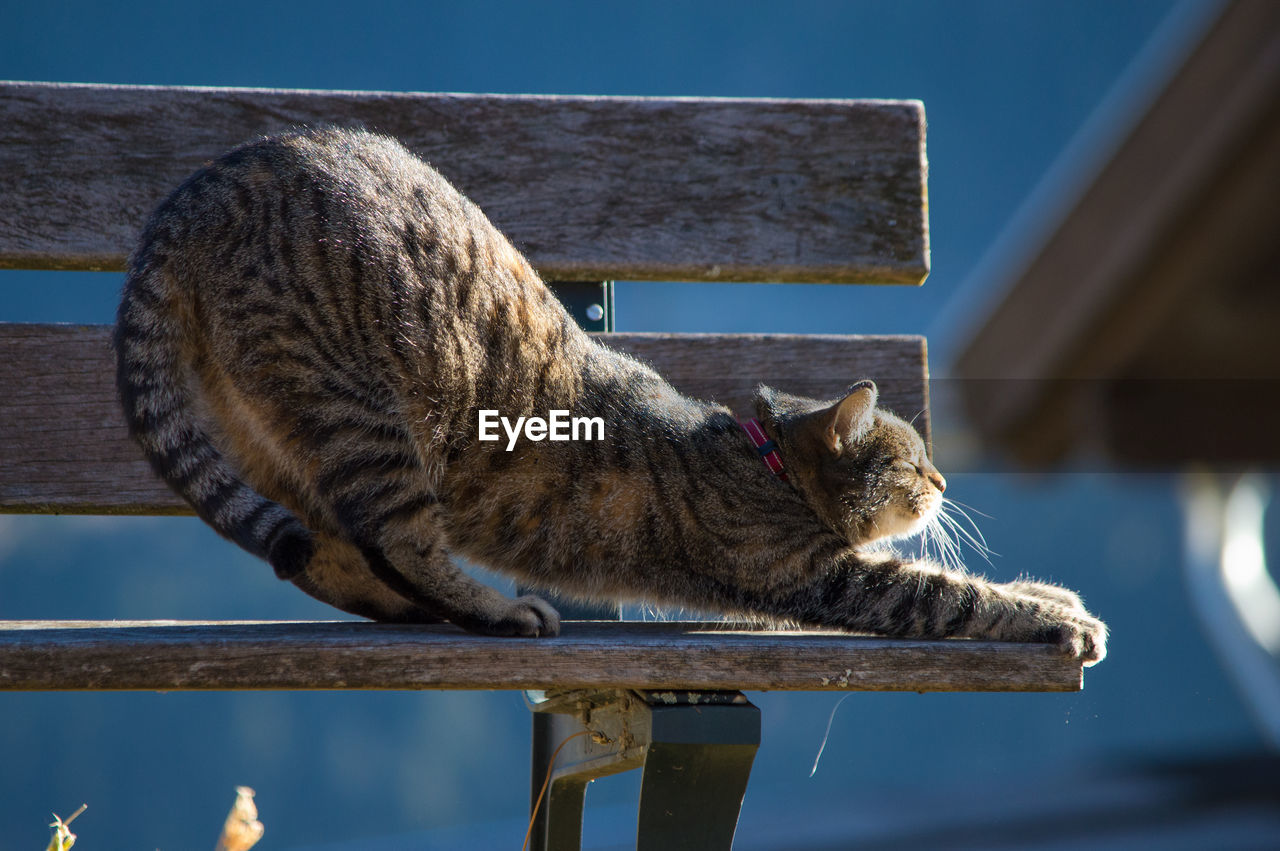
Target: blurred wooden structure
{"type": "Point", "coordinates": [1147, 325]}
{"type": "Point", "coordinates": [1145, 331]}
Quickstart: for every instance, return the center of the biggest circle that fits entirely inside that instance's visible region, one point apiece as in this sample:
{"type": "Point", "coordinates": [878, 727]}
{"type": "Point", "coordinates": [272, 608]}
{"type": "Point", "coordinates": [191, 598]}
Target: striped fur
{"type": "Point", "coordinates": [309, 328]}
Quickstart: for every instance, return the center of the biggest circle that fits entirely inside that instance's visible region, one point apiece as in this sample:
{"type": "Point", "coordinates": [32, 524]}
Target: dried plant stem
{"type": "Point", "coordinates": [242, 830]}
{"type": "Point", "coordinates": [63, 838]}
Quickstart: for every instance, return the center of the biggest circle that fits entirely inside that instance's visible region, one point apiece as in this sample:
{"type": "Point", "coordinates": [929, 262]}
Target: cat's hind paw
{"type": "Point", "coordinates": [528, 617]}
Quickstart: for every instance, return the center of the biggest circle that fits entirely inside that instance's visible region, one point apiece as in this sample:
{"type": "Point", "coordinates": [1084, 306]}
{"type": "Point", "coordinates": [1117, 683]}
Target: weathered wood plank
{"type": "Point", "coordinates": [64, 449]}
{"type": "Point", "coordinates": [170, 655]}
{"type": "Point", "coordinates": [590, 188]}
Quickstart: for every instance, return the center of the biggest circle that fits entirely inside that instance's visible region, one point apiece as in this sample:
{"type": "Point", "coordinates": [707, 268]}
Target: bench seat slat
{"type": "Point", "coordinates": [171, 655]}
{"type": "Point", "coordinates": [590, 188]}
{"type": "Point", "coordinates": [64, 448]}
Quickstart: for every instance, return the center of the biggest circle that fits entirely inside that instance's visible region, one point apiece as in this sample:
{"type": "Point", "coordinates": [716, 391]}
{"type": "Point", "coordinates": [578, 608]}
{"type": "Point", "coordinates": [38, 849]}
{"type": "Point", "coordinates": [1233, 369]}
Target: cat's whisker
{"type": "Point", "coordinates": [958, 533]}
{"type": "Point", "coordinates": [937, 544]}
{"type": "Point", "coordinates": [948, 501]}
{"type": "Point", "coordinates": [977, 539]}
{"type": "Point", "coordinates": [943, 539]}
{"type": "Point", "coordinates": [974, 539]}
{"type": "Point", "coordinates": [924, 542]}
{"type": "Point", "coordinates": [948, 548]}
{"type": "Point", "coordinates": [928, 544]}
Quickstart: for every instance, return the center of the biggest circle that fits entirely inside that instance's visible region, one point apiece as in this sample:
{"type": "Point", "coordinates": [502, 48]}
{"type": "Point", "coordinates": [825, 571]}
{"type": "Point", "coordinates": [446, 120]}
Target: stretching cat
{"type": "Point", "coordinates": [311, 327]}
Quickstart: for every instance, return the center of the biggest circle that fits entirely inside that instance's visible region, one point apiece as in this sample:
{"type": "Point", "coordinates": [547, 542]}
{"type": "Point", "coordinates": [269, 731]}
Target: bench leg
{"type": "Point", "coordinates": [696, 749]}
{"type": "Point", "coordinates": [695, 772]}
{"type": "Point", "coordinates": [557, 819]}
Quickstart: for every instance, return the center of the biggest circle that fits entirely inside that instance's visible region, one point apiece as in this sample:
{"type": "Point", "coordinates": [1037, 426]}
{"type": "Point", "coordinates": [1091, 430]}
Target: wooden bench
{"type": "Point", "coordinates": [592, 189]}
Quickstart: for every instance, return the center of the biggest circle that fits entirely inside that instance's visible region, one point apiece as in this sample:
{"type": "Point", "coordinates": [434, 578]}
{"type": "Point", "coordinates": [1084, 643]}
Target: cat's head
{"type": "Point", "coordinates": [864, 471]}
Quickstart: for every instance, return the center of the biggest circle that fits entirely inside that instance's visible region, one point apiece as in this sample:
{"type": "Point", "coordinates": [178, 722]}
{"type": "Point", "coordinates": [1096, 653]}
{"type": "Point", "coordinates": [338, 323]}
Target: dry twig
{"type": "Point", "coordinates": [63, 838]}
{"type": "Point", "coordinates": [242, 829]}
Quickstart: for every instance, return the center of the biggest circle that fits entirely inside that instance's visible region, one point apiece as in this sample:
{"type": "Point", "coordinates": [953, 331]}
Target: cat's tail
{"type": "Point", "coordinates": [153, 378]}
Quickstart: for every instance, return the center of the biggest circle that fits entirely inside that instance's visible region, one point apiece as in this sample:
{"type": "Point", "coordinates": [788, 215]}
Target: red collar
{"type": "Point", "coordinates": [765, 446]}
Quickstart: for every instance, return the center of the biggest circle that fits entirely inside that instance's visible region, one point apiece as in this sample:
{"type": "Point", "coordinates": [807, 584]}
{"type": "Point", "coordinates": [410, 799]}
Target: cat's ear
{"type": "Point", "coordinates": [774, 405]}
{"type": "Point", "coordinates": [847, 420]}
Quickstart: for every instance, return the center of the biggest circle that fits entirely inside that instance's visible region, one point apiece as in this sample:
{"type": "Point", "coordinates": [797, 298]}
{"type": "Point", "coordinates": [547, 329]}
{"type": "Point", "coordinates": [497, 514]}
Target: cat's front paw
{"type": "Point", "coordinates": [529, 617]}
{"type": "Point", "coordinates": [1079, 635]}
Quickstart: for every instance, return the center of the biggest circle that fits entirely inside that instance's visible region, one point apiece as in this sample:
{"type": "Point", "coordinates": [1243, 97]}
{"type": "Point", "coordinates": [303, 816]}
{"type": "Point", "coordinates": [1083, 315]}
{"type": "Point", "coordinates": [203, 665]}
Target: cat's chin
{"type": "Point", "coordinates": [896, 528]}
{"type": "Point", "coordinates": [920, 521]}
{"type": "Point", "coordinates": [905, 524]}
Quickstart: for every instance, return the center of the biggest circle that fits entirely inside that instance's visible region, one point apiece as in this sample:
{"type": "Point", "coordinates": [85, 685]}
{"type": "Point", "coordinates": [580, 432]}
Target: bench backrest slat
{"type": "Point", "coordinates": [589, 188]}
{"type": "Point", "coordinates": [63, 445]}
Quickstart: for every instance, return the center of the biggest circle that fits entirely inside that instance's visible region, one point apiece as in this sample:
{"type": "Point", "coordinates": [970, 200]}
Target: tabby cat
{"type": "Point", "coordinates": [309, 330]}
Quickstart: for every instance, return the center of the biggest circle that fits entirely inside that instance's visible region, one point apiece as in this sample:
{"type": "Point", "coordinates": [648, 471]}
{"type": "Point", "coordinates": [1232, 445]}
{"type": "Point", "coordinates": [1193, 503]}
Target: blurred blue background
{"type": "Point", "coordinates": [1009, 88]}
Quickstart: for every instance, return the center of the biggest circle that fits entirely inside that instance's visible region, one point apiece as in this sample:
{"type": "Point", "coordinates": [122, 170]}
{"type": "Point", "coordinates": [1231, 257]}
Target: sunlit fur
{"type": "Point", "coordinates": [309, 327]}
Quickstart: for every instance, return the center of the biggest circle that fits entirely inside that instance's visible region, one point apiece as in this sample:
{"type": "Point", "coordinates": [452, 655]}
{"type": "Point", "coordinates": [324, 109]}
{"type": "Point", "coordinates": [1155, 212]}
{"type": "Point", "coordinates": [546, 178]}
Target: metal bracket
{"type": "Point", "coordinates": [696, 750]}
{"type": "Point", "coordinates": [590, 303]}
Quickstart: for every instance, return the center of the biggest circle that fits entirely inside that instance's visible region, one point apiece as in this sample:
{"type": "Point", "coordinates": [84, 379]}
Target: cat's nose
{"type": "Point", "coordinates": [938, 482]}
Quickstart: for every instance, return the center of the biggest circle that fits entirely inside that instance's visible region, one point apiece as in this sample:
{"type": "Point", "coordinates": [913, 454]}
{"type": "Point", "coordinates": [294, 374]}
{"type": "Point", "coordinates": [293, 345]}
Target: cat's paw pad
{"type": "Point", "coordinates": [529, 617]}
{"type": "Point", "coordinates": [1043, 591]}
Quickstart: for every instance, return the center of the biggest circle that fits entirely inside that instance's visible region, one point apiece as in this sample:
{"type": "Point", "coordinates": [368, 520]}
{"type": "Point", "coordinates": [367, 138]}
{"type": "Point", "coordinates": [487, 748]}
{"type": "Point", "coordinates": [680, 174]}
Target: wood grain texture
{"type": "Point", "coordinates": [589, 188]}
{"type": "Point", "coordinates": [170, 655]}
{"type": "Point", "coordinates": [64, 448]}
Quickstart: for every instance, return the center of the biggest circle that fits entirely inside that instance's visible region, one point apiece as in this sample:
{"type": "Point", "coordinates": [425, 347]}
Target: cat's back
{"type": "Point", "coordinates": [312, 196]}
{"type": "Point", "coordinates": [346, 226]}
{"type": "Point", "coordinates": [340, 257]}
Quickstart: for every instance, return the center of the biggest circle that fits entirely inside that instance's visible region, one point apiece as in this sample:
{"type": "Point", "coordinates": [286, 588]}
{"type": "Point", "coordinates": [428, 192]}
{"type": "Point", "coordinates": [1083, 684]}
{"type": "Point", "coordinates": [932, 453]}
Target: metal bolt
{"type": "Point", "coordinates": [595, 312]}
